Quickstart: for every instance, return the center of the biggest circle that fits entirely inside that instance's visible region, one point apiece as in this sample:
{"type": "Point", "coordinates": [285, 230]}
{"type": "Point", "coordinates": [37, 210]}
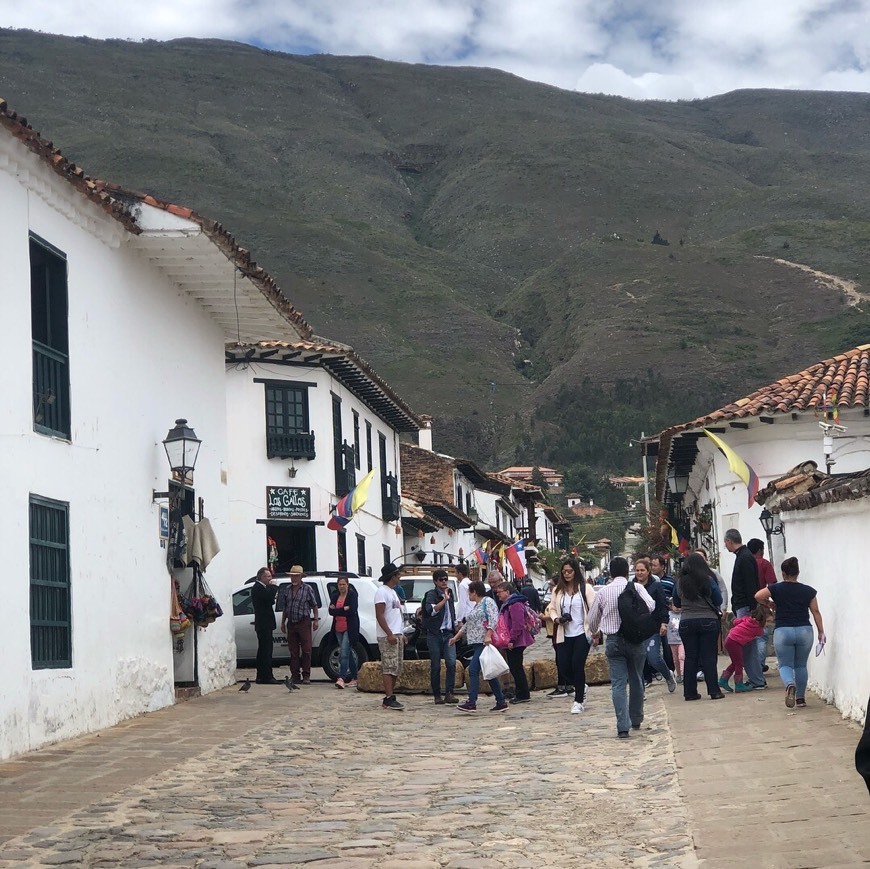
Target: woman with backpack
{"type": "Point", "coordinates": [569, 610]}
{"type": "Point", "coordinates": [697, 599]}
{"type": "Point", "coordinates": [513, 613]}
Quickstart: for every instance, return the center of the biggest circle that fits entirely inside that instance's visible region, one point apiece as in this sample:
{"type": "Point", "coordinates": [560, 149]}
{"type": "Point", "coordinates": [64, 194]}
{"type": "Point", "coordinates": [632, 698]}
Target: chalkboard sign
{"type": "Point", "coordinates": [285, 502]}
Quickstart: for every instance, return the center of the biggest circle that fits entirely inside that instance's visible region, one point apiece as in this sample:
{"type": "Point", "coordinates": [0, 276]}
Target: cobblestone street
{"type": "Point", "coordinates": [326, 778]}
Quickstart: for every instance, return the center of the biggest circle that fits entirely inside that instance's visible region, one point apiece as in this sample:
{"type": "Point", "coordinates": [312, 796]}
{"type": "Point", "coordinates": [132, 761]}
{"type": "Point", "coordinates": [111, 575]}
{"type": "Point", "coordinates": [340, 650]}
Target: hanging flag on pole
{"type": "Point", "coordinates": [480, 554]}
{"type": "Point", "coordinates": [350, 503]}
{"type": "Point", "coordinates": [675, 538]}
{"type": "Point", "coordinates": [737, 466]}
{"type": "Point", "coordinates": [495, 554]}
{"type": "Point", "coordinates": [516, 557]}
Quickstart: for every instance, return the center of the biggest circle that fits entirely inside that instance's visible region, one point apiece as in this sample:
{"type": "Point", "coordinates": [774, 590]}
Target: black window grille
{"type": "Point", "coordinates": [342, 550]}
{"type": "Point", "coordinates": [287, 422]}
{"type": "Point", "coordinates": [369, 462]}
{"type": "Point", "coordinates": [50, 336]}
{"type": "Point", "coordinates": [50, 623]}
{"type": "Point", "coordinates": [387, 556]}
{"type": "Point", "coordinates": [362, 567]}
{"type": "Point", "coordinates": [356, 443]}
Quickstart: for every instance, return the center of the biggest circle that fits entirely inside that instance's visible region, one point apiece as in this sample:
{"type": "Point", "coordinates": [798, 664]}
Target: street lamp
{"type": "Point", "coordinates": [771, 525]}
{"type": "Point", "coordinates": [678, 481]}
{"type": "Point", "coordinates": [182, 449]}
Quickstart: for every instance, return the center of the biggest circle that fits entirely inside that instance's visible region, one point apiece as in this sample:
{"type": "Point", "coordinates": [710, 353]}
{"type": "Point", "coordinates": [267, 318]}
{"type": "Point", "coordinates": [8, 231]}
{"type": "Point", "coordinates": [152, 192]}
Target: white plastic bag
{"type": "Point", "coordinates": [492, 665]}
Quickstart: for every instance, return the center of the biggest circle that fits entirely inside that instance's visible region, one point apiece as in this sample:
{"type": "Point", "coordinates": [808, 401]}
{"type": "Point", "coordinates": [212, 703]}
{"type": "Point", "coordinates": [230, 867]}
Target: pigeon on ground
{"type": "Point", "coordinates": [289, 683]}
{"type": "Point", "coordinates": [246, 686]}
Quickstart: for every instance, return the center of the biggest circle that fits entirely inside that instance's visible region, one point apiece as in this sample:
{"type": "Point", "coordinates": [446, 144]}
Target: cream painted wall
{"type": "Point", "coordinates": [250, 471]}
{"type": "Point", "coordinates": [141, 354]}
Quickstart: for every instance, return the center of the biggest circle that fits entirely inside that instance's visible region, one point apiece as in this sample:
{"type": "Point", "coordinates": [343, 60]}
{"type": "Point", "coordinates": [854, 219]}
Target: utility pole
{"type": "Point", "coordinates": [642, 445]}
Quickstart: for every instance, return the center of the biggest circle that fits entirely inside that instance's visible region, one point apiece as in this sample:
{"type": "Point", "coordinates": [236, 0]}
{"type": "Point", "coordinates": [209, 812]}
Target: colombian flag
{"type": "Point", "coordinates": [480, 554]}
{"type": "Point", "coordinates": [351, 502]}
{"type": "Point", "coordinates": [737, 466]}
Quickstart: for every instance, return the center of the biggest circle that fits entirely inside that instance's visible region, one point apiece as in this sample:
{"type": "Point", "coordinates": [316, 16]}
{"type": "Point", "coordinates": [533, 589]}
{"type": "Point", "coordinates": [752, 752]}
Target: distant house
{"type": "Point", "coordinates": [119, 306]}
{"type": "Point", "coordinates": [523, 473]}
{"type": "Point", "coordinates": [623, 482]}
{"type": "Point", "coordinates": [309, 420]}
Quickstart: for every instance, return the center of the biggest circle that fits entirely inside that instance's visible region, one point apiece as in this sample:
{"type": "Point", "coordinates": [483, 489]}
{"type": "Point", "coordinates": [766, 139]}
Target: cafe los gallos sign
{"type": "Point", "coordinates": [286, 502]}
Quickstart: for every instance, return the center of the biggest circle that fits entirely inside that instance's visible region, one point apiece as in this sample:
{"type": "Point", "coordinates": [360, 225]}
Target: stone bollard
{"type": "Point", "coordinates": [545, 674]}
{"type": "Point", "coordinates": [597, 670]}
{"type": "Point", "coordinates": [414, 678]}
{"type": "Point", "coordinates": [507, 680]}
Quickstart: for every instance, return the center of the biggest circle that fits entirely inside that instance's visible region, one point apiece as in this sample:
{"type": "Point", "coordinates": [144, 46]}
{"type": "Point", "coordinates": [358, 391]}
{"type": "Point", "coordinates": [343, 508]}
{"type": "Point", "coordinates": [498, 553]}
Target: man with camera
{"type": "Point", "coordinates": [439, 623]}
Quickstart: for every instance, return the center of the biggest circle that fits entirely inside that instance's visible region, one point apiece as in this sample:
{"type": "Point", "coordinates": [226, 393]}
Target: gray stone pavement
{"type": "Point", "coordinates": [324, 777]}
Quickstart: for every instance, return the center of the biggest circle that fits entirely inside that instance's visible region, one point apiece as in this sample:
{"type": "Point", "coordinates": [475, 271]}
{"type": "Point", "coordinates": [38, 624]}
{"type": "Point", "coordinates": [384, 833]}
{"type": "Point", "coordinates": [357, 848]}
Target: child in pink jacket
{"type": "Point", "coordinates": [744, 631]}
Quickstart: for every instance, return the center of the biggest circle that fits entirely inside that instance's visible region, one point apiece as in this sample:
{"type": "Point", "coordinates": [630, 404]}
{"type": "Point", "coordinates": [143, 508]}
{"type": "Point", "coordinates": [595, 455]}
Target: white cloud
{"type": "Point", "coordinates": [679, 49]}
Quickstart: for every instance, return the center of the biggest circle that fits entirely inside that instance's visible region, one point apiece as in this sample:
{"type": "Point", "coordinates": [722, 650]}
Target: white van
{"type": "Point", "coordinates": [324, 649]}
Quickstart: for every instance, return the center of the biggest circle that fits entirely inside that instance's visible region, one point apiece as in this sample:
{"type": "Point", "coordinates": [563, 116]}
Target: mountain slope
{"type": "Point", "coordinates": [485, 241]}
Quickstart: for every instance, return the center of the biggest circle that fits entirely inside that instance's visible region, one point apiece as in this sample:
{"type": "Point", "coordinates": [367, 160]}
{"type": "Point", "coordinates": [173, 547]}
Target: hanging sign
{"type": "Point", "coordinates": [164, 526]}
{"type": "Point", "coordinates": [286, 502]}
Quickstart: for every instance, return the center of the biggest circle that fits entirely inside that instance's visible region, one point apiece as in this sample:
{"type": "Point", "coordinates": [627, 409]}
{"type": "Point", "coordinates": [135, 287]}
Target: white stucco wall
{"type": "Point", "coordinates": [140, 356]}
{"type": "Point", "coordinates": [250, 471]}
{"type": "Point", "coordinates": [833, 548]}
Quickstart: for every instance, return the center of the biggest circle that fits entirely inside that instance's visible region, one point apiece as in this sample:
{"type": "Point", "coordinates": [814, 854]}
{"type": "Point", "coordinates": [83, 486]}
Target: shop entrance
{"type": "Point", "coordinates": [295, 544]}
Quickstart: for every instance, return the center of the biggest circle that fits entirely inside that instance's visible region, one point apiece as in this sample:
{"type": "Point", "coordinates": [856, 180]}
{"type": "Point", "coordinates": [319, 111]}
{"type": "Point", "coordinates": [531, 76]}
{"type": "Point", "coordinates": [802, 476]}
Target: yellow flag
{"type": "Point", "coordinates": [675, 539]}
{"type": "Point", "coordinates": [361, 492]}
{"type": "Point", "coordinates": [737, 466]}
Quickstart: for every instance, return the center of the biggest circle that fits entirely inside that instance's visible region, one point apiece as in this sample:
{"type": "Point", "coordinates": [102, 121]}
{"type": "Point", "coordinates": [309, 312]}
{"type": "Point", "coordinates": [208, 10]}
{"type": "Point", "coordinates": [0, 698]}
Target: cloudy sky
{"type": "Point", "coordinates": [668, 49]}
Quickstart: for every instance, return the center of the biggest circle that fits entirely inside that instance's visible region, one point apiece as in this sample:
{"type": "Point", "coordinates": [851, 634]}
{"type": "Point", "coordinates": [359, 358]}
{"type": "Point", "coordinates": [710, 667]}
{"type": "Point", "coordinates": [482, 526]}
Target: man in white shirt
{"type": "Point", "coordinates": [624, 659]}
{"type": "Point", "coordinates": [463, 604]}
{"type": "Point", "coordinates": [390, 634]}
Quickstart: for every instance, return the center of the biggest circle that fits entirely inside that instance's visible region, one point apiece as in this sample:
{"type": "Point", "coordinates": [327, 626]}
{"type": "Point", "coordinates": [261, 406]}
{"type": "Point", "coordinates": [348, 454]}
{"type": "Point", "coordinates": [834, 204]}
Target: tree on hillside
{"type": "Point", "coordinates": [539, 480]}
{"type": "Point", "coordinates": [591, 485]}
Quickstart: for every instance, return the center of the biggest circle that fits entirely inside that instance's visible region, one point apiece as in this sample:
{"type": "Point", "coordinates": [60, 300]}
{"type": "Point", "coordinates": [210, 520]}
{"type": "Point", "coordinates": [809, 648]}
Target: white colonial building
{"type": "Point", "coordinates": [820, 415]}
{"type": "Point", "coordinates": [118, 308]}
{"type": "Point", "coordinates": [308, 421]}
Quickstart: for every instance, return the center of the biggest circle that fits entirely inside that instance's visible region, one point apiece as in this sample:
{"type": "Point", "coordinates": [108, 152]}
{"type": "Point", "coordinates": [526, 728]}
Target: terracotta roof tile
{"type": "Point", "coordinates": [846, 375]}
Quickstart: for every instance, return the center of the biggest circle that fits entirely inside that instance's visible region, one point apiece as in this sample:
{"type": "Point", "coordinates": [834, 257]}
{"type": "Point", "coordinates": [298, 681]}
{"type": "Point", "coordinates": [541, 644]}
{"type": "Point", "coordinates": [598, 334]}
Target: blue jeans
{"type": "Point", "coordinates": [439, 647]}
{"type": "Point", "coordinates": [751, 658]}
{"type": "Point", "coordinates": [761, 646]}
{"type": "Point", "coordinates": [792, 650]}
{"type": "Point", "coordinates": [699, 638]}
{"type": "Point", "coordinates": [347, 668]}
{"type": "Point", "coordinates": [474, 677]}
{"type": "Point", "coordinates": [654, 656]}
{"type": "Point", "coordinates": [626, 669]}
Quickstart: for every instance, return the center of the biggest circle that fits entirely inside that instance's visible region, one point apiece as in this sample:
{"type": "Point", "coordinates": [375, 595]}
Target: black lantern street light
{"type": "Point", "coordinates": [182, 449]}
{"type": "Point", "coordinates": [678, 481]}
{"type": "Point", "coordinates": [771, 526]}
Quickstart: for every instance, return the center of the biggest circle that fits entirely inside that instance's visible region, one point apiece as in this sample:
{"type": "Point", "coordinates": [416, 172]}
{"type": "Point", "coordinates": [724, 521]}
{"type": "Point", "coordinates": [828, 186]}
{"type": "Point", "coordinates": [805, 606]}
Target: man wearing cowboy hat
{"type": "Point", "coordinates": [299, 620]}
{"type": "Point", "coordinates": [390, 634]}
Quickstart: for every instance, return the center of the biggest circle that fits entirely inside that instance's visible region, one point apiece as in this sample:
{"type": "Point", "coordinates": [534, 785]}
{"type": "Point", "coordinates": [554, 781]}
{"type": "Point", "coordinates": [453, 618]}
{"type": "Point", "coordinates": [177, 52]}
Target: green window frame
{"type": "Point", "coordinates": [50, 598]}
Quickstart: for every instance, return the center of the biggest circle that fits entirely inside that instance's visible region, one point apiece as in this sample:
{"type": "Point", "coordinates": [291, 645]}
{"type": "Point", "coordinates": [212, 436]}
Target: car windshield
{"type": "Point", "coordinates": [416, 587]}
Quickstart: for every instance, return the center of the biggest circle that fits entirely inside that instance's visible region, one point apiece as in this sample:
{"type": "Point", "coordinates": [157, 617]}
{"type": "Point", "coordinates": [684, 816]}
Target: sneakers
{"type": "Point", "coordinates": [764, 668]}
{"type": "Point", "coordinates": [759, 687]}
{"type": "Point", "coordinates": [724, 684]}
{"type": "Point", "coordinates": [449, 698]}
{"type": "Point", "coordinates": [306, 680]}
{"type": "Point", "coordinates": [521, 700]}
{"type": "Point", "coordinates": [700, 675]}
{"type": "Point", "coordinates": [680, 679]}
{"type": "Point", "coordinates": [352, 684]}
{"type": "Point", "coordinates": [576, 708]}
{"type": "Point", "coordinates": [672, 682]}
{"type": "Point", "coordinates": [789, 695]}
{"type": "Point", "coordinates": [719, 696]}
{"type": "Point", "coordinates": [499, 707]}
{"type": "Point", "coordinates": [558, 691]}
{"type": "Point", "coordinates": [801, 703]}
{"type": "Point", "coordinates": [467, 706]}
{"type": "Point", "coordinates": [339, 682]}
{"type": "Point", "coordinates": [392, 703]}
{"type": "Point", "coordinates": [439, 700]}
{"type": "Point", "coordinates": [741, 687]}
{"type": "Point", "coordinates": [623, 734]}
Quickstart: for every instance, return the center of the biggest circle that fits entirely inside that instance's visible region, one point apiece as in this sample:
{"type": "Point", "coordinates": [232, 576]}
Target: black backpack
{"type": "Point", "coordinates": [637, 623]}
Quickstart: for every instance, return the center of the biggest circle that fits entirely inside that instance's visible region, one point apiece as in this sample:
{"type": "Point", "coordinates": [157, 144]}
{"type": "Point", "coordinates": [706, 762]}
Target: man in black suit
{"type": "Point", "coordinates": [263, 593]}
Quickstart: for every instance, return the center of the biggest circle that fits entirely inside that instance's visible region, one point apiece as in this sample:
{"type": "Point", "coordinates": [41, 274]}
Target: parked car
{"type": "Point", "coordinates": [324, 649]}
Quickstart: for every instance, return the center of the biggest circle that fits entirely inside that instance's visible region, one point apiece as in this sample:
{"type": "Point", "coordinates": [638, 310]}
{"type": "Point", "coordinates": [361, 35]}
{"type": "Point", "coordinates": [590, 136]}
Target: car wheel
{"type": "Point", "coordinates": [330, 658]}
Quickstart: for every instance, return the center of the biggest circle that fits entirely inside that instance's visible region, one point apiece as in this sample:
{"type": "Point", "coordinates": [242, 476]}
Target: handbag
{"type": "Point", "coordinates": [501, 636]}
{"type": "Point", "coordinates": [492, 665]}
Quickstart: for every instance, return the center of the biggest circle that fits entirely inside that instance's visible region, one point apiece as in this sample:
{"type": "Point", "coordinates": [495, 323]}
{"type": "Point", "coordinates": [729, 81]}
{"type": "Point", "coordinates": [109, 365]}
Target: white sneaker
{"type": "Point", "coordinates": [576, 708]}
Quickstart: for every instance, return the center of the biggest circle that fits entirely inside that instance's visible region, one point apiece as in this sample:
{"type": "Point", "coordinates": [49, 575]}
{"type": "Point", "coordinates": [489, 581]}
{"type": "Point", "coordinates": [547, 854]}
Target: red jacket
{"type": "Point", "coordinates": [766, 576]}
